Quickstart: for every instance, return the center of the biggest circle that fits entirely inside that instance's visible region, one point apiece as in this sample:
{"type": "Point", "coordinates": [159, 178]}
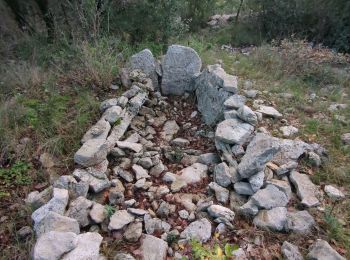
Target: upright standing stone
{"type": "Point", "coordinates": [145, 62]}
{"type": "Point", "coordinates": [180, 65]}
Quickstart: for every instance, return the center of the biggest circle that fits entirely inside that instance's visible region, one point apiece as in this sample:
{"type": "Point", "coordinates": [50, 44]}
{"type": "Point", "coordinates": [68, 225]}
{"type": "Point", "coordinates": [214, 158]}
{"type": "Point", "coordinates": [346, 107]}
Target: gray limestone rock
{"type": "Point", "coordinates": [75, 189]}
{"type": "Point", "coordinates": [233, 131]}
{"type": "Point", "coordinates": [99, 131]}
{"type": "Point", "coordinates": [334, 193]}
{"type": "Point", "coordinates": [235, 101]}
{"type": "Point", "coordinates": [209, 158]}
{"type": "Point", "coordinates": [243, 188]}
{"type": "Point", "coordinates": [120, 219]}
{"type": "Point", "coordinates": [269, 111]}
{"type": "Point", "coordinates": [257, 181]}
{"type": "Point", "coordinates": [180, 65]}
{"type": "Point", "coordinates": [247, 115]}
{"type": "Point", "coordinates": [291, 252]}
{"type": "Point", "coordinates": [153, 248]}
{"type": "Point", "coordinates": [223, 174]}
{"type": "Point", "coordinates": [321, 250]}
{"type": "Point", "coordinates": [221, 194]}
{"type": "Point", "coordinates": [92, 152]}
{"type": "Point", "coordinates": [274, 219]}
{"type": "Point", "coordinates": [98, 213]}
{"type": "Point", "coordinates": [79, 209]}
{"type": "Point", "coordinates": [199, 230]}
{"type": "Point", "coordinates": [306, 190]}
{"type": "Point", "coordinates": [95, 184]}
{"type": "Point", "coordinates": [133, 232]}
{"type": "Point", "coordinates": [300, 222]}
{"type": "Point", "coordinates": [270, 197]}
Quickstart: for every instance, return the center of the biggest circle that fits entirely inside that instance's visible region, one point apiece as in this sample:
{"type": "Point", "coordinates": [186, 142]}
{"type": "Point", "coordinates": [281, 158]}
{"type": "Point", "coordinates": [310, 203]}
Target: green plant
{"type": "Point", "coordinates": [16, 175]}
{"type": "Point", "coordinates": [202, 252]}
{"type": "Point", "coordinates": [110, 210]}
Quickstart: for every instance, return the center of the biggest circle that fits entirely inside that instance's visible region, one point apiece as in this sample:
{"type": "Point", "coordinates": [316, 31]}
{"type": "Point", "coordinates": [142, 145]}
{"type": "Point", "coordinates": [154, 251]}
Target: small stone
{"type": "Point", "coordinates": [98, 213]}
{"type": "Point", "coordinates": [333, 192]}
{"type": "Point", "coordinates": [314, 159]}
{"type": "Point", "coordinates": [289, 131]}
{"type": "Point", "coordinates": [346, 138]}
{"type": "Point", "coordinates": [300, 222]}
{"type": "Point", "coordinates": [243, 188]}
{"type": "Point", "coordinates": [130, 203]}
{"type": "Point", "coordinates": [79, 209]}
{"type": "Point", "coordinates": [140, 172]}
{"type": "Point", "coordinates": [131, 146]}
{"type": "Point", "coordinates": [233, 131]}
{"type": "Point", "coordinates": [249, 209]}
{"type": "Point", "coordinates": [184, 214]}
{"type": "Point", "coordinates": [251, 93]}
{"type": "Point", "coordinates": [270, 197]}
{"type": "Point", "coordinates": [274, 219]}
{"type": "Point", "coordinates": [321, 250]}
{"type": "Point", "coordinates": [287, 167]}
{"type": "Point", "coordinates": [146, 162]}
{"type": "Point", "coordinates": [91, 153]}
{"type": "Point", "coordinates": [88, 247]}
{"type": "Point", "coordinates": [170, 128]}
{"type": "Point", "coordinates": [291, 252]}
{"type": "Point", "coordinates": [221, 193]}
{"type": "Point", "coordinates": [223, 174]}
{"type": "Point", "coordinates": [53, 245]}
{"type": "Point", "coordinates": [237, 150]}
{"type": "Point", "coordinates": [209, 158]}
{"type": "Point", "coordinates": [247, 115]}
{"type": "Point", "coordinates": [47, 160]}
{"type": "Point", "coordinates": [153, 248]}
{"type": "Point", "coordinates": [112, 114]}
{"type": "Point", "coordinates": [306, 190]}
{"type": "Point", "coordinates": [137, 212]}
{"type": "Point", "coordinates": [133, 232]}
{"type": "Point", "coordinates": [24, 232]}
{"type": "Point", "coordinates": [181, 142]}
{"type": "Point", "coordinates": [169, 177]}
{"type": "Point", "coordinates": [123, 256]}
{"type": "Point", "coordinates": [217, 211]}
{"type": "Point", "coordinates": [235, 101]}
{"type": "Point", "coordinates": [257, 181]}
{"type": "Point", "coordinates": [37, 199]}
{"type": "Point", "coordinates": [157, 170]}
{"type": "Point", "coordinates": [155, 225]}
{"type": "Point", "coordinates": [199, 230]}
{"type": "Point", "coordinates": [269, 111]}
{"type": "Point", "coordinates": [120, 219]}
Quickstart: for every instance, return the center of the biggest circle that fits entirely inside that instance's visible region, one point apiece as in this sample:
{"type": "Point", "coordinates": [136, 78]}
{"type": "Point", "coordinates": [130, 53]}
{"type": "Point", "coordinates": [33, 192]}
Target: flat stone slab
{"type": "Point", "coordinates": [120, 219]}
{"type": "Point", "coordinates": [306, 190]}
{"type": "Point", "coordinates": [270, 197]}
{"type": "Point", "coordinates": [92, 152]}
{"type": "Point", "coordinates": [153, 248]}
{"type": "Point", "coordinates": [269, 111]}
{"type": "Point", "coordinates": [233, 131]}
{"type": "Point", "coordinates": [274, 219]}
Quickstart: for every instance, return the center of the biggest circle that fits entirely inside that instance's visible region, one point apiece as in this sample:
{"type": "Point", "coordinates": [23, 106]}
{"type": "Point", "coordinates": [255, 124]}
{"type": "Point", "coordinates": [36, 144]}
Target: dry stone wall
{"type": "Point", "coordinates": [147, 172]}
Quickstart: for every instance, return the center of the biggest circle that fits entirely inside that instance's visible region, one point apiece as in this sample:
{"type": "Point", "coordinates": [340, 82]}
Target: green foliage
{"type": "Point", "coordinates": [334, 227]}
{"type": "Point", "coordinates": [16, 175]}
{"type": "Point", "coordinates": [110, 210]}
{"type": "Point", "coordinates": [201, 252]}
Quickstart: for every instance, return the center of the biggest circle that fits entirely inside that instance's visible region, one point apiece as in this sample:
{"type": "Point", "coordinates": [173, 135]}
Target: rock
{"type": "Point", "coordinates": [108, 103]}
{"type": "Point", "coordinates": [247, 115]}
{"type": "Point", "coordinates": [127, 176]}
{"type": "Point", "coordinates": [237, 150]}
{"type": "Point", "coordinates": [306, 190]}
{"type": "Point", "coordinates": [233, 131]}
{"type": "Point", "coordinates": [57, 204]}
{"type": "Point", "coordinates": [189, 175]}
{"type": "Point", "coordinates": [130, 146]}
{"type": "Point", "coordinates": [243, 188]}
{"type": "Point", "coordinates": [211, 93]}
{"type": "Point", "coordinates": [92, 152]}
{"type": "Point", "coordinates": [95, 184]}
{"type": "Point", "coordinates": [199, 230]}
{"type": "Point", "coordinates": [145, 61]}
{"type": "Point", "coordinates": [170, 129]}
{"type": "Point", "coordinates": [217, 211]}
{"type": "Point", "coordinates": [98, 213]}
{"type": "Point", "coordinates": [157, 170]}
{"type": "Point", "coordinates": [116, 195]}
{"type": "Point", "coordinates": [133, 232]}
{"type": "Point", "coordinates": [314, 159]}
{"type": "Point", "coordinates": [335, 107]}
{"type": "Point", "coordinates": [99, 131]}
{"type": "Point", "coordinates": [137, 212]}
{"type": "Point", "coordinates": [37, 199]}
{"type": "Point", "coordinates": [140, 172]}
{"type": "Point", "coordinates": [221, 193]}
{"type": "Point", "coordinates": [155, 225]}
{"type": "Point", "coordinates": [283, 186]}
{"type": "Point", "coordinates": [269, 111]}
{"type": "Point", "coordinates": [153, 248]}
{"type": "Point", "coordinates": [75, 189]}
{"type": "Point", "coordinates": [291, 252]}
{"type": "Point", "coordinates": [334, 193]}
{"type": "Point", "coordinates": [88, 247]}
{"type": "Point", "coordinates": [123, 256]}
{"type": "Point", "coordinates": [235, 101]}
{"type": "Point", "coordinates": [112, 114]}
{"type": "Point", "coordinates": [249, 209]}
{"type": "Point", "coordinates": [181, 142]}
{"type": "Point", "coordinates": [274, 219]}
{"type": "Point", "coordinates": [223, 174]}
{"type": "Point", "coordinates": [346, 138]}
{"type": "Point", "coordinates": [79, 209]}
{"type": "Point", "coordinates": [209, 158]}
{"type": "Point", "coordinates": [184, 214]}
{"type": "Point", "coordinates": [258, 153]}
{"type": "Point", "coordinates": [257, 181]}
{"type": "Point", "coordinates": [289, 131]}
{"type": "Point", "coordinates": [300, 222]}
{"type": "Point", "coordinates": [164, 209]}
{"type": "Point", "coordinates": [56, 222]}
{"type": "Point", "coordinates": [120, 219]}
{"type": "Point", "coordinates": [146, 162]}
{"type": "Point", "coordinates": [169, 177]}
{"type": "Point", "coordinates": [270, 197]}
{"type": "Point", "coordinates": [180, 65]}
{"type": "Point", "coordinates": [287, 167]}
{"type": "Point", "coordinates": [236, 201]}
{"type": "Point", "coordinates": [24, 232]}
{"type": "Point", "coordinates": [321, 250]}
{"type": "Point", "coordinates": [53, 245]}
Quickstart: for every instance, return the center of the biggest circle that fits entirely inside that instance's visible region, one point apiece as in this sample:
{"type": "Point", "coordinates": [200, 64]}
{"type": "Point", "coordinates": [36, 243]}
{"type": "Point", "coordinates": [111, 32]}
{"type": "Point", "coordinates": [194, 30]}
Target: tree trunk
{"type": "Point", "coordinates": [238, 11]}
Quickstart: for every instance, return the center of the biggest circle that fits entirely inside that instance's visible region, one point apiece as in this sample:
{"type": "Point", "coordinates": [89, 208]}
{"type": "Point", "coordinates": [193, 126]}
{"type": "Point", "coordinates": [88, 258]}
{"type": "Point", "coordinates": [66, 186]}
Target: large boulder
{"type": "Point", "coordinates": [213, 87]}
{"type": "Point", "coordinates": [145, 61]}
{"type": "Point", "coordinates": [180, 65]}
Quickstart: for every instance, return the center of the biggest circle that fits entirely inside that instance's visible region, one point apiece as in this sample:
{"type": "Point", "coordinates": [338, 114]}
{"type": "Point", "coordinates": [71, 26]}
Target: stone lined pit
{"type": "Point", "coordinates": [156, 172]}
